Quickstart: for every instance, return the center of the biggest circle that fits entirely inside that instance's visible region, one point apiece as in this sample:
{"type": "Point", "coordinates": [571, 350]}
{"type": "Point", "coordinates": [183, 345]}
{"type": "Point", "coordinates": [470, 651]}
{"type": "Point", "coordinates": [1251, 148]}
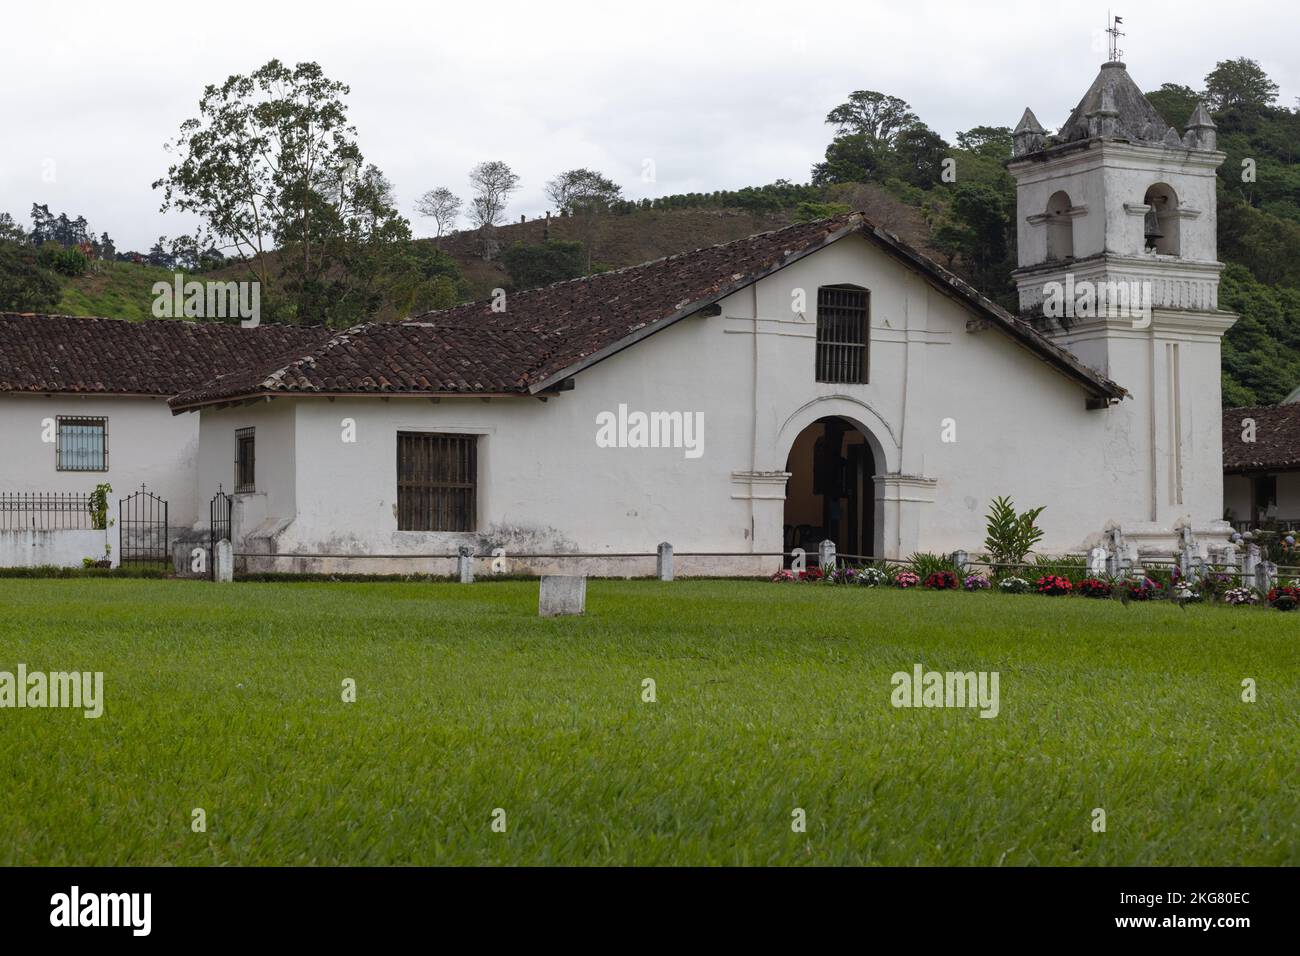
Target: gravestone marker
{"type": "Point", "coordinates": [562, 594]}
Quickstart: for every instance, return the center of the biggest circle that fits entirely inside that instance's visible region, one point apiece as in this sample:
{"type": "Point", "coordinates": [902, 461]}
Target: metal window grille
{"type": "Point", "coordinates": [843, 326]}
{"type": "Point", "coordinates": [245, 460]}
{"type": "Point", "coordinates": [81, 444]}
{"type": "Point", "coordinates": [437, 482]}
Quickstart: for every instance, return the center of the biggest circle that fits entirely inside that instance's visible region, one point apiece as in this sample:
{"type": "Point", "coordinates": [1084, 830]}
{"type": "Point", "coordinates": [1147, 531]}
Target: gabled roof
{"type": "Point", "coordinates": [63, 353]}
{"type": "Point", "coordinates": [549, 334]}
{"type": "Point", "coordinates": [1277, 438]}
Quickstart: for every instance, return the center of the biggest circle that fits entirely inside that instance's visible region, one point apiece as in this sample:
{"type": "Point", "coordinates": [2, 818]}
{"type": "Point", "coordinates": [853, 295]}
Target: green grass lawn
{"type": "Point", "coordinates": [770, 697]}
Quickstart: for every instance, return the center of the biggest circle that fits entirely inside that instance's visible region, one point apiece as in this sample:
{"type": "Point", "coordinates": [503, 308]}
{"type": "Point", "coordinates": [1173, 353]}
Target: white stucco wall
{"type": "Point", "coordinates": [146, 444]}
{"type": "Point", "coordinates": [1022, 430]}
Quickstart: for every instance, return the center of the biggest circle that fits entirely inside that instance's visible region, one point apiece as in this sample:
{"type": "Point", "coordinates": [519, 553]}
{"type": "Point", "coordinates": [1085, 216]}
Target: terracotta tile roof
{"type": "Point", "coordinates": [1277, 438]}
{"type": "Point", "coordinates": [548, 334]}
{"type": "Point", "coordinates": [61, 353]}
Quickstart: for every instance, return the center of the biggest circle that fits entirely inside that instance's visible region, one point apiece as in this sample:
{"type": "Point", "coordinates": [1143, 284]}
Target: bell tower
{"type": "Point", "coordinates": [1117, 262]}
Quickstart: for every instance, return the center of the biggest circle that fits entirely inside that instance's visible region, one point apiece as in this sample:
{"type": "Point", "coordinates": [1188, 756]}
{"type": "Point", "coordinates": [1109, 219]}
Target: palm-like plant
{"type": "Point", "coordinates": [1010, 535]}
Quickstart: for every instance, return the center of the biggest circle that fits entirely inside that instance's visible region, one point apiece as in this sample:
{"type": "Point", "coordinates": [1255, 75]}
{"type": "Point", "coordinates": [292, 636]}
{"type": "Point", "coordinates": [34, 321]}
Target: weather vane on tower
{"type": "Point", "coordinates": [1115, 34]}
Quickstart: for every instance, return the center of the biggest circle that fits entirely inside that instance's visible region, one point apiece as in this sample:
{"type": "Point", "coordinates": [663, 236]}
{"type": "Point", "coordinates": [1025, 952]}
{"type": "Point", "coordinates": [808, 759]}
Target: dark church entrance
{"type": "Point", "coordinates": [830, 492]}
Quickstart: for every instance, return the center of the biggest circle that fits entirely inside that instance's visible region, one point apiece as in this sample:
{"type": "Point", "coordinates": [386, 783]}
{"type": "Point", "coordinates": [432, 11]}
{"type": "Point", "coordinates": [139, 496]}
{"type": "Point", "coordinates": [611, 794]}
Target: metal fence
{"type": "Point", "coordinates": [46, 511]}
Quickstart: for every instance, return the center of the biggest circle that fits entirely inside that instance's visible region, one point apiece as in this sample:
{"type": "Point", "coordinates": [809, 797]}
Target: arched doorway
{"type": "Point", "coordinates": [830, 492]}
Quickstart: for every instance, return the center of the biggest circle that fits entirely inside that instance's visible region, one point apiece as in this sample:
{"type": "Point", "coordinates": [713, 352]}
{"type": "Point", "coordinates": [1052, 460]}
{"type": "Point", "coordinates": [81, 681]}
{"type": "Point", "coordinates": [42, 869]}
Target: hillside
{"type": "Point", "coordinates": [647, 234]}
{"type": "Point", "coordinates": [118, 290]}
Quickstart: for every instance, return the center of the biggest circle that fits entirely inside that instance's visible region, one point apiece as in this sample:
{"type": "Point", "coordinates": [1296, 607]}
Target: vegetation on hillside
{"type": "Point", "coordinates": [320, 228]}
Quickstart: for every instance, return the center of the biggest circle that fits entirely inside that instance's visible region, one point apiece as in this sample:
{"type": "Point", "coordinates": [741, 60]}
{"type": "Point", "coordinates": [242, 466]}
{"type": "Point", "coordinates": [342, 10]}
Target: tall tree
{"type": "Point", "coordinates": [1241, 82]}
{"type": "Point", "coordinates": [877, 116]}
{"type": "Point", "coordinates": [442, 206]}
{"type": "Point", "coordinates": [493, 183]}
{"type": "Point", "coordinates": [585, 195]}
{"type": "Point", "coordinates": [1174, 102]}
{"type": "Point", "coordinates": [271, 158]}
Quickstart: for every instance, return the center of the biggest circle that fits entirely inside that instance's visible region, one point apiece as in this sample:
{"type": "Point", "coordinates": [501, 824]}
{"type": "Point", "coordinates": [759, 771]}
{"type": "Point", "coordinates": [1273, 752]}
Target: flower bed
{"type": "Point", "coordinates": [1213, 586]}
{"type": "Point", "coordinates": [1053, 585]}
{"type": "Point", "coordinates": [1095, 588]}
{"type": "Point", "coordinates": [942, 581]}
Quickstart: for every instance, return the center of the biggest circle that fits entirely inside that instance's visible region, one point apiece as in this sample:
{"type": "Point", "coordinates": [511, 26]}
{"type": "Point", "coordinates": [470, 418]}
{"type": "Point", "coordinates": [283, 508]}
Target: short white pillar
{"type": "Point", "coordinates": [561, 594]}
{"type": "Point", "coordinates": [664, 562]}
{"type": "Point", "coordinates": [225, 562]}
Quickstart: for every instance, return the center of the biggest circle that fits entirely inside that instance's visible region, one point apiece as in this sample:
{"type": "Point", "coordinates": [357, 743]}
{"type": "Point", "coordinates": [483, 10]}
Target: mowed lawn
{"type": "Point", "coordinates": [770, 698]}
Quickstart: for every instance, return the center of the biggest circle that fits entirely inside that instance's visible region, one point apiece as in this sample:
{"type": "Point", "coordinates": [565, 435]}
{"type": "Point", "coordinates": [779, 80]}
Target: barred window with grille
{"type": "Point", "coordinates": [843, 330]}
{"type": "Point", "coordinates": [437, 482]}
{"type": "Point", "coordinates": [81, 444]}
{"type": "Point", "coordinates": [245, 460]}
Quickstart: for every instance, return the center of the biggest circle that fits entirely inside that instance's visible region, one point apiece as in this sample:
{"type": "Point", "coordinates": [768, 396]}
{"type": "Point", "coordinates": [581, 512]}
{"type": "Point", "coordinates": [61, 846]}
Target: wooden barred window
{"type": "Point", "coordinates": [81, 444]}
{"type": "Point", "coordinates": [437, 482]}
{"type": "Point", "coordinates": [245, 461]}
{"type": "Point", "coordinates": [843, 330]}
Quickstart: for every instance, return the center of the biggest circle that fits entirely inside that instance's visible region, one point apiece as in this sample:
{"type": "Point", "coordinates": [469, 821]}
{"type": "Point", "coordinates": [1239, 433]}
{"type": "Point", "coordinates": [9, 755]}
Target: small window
{"type": "Point", "coordinates": [81, 445]}
{"type": "Point", "coordinates": [842, 329]}
{"type": "Point", "coordinates": [437, 482]}
{"type": "Point", "coordinates": [245, 461]}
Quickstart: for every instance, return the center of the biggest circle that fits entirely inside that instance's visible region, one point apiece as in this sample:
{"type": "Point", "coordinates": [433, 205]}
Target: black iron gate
{"type": "Point", "coordinates": [219, 524]}
{"type": "Point", "coordinates": [142, 530]}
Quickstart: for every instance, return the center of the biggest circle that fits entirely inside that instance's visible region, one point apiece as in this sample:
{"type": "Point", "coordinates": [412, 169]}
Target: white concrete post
{"type": "Point", "coordinates": [826, 554]}
{"type": "Point", "coordinates": [1268, 575]}
{"type": "Point", "coordinates": [664, 562]}
{"type": "Point", "coordinates": [225, 559]}
{"type": "Point", "coordinates": [465, 564]}
{"type": "Point", "coordinates": [1098, 562]}
{"type": "Point", "coordinates": [1250, 566]}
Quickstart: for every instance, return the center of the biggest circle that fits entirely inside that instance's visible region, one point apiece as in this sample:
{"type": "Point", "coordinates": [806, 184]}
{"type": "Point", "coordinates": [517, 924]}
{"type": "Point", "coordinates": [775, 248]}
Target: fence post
{"type": "Point", "coordinates": [1250, 565]}
{"type": "Point", "coordinates": [1268, 572]}
{"type": "Point", "coordinates": [1098, 562]}
{"type": "Point", "coordinates": [223, 561]}
{"type": "Point", "coordinates": [465, 564]}
{"type": "Point", "coordinates": [826, 554]}
{"type": "Point", "coordinates": [962, 560]}
{"type": "Point", "coordinates": [664, 562]}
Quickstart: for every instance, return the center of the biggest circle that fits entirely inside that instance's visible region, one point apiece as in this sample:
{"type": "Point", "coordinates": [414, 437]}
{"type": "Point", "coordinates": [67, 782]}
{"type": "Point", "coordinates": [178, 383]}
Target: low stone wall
{"type": "Point", "coordinates": [684, 566]}
{"type": "Point", "coordinates": [31, 548]}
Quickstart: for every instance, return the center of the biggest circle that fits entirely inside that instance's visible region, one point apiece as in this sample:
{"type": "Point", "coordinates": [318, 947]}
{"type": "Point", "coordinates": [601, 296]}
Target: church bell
{"type": "Point", "coordinates": [1152, 226]}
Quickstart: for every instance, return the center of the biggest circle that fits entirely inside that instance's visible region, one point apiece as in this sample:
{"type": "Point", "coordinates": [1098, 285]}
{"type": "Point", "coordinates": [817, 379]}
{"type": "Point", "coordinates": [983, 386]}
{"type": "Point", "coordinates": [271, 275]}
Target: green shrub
{"type": "Point", "coordinates": [1009, 536]}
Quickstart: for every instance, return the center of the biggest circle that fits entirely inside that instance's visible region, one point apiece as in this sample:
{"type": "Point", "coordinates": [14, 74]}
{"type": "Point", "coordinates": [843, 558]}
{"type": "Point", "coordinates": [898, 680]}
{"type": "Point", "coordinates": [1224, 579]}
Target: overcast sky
{"type": "Point", "coordinates": [717, 94]}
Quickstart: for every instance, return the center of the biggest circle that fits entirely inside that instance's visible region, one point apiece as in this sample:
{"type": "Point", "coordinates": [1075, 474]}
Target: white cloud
{"type": "Point", "coordinates": [718, 95]}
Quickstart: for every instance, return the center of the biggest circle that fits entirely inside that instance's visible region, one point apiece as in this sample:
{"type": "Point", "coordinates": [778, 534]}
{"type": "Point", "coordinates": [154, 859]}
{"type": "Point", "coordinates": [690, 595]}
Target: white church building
{"type": "Point", "coordinates": [822, 381]}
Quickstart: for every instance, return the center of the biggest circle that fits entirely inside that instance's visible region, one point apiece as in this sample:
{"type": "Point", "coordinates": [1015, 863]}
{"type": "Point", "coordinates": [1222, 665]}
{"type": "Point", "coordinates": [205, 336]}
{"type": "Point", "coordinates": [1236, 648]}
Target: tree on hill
{"type": "Point", "coordinates": [1174, 102]}
{"type": "Point", "coordinates": [586, 195]}
{"type": "Point", "coordinates": [10, 231]}
{"type": "Point", "coordinates": [991, 142]}
{"type": "Point", "coordinates": [876, 116]}
{"type": "Point", "coordinates": [442, 206]}
{"type": "Point", "coordinates": [271, 164]}
{"type": "Point", "coordinates": [1241, 82]}
{"type": "Point", "coordinates": [493, 183]}
{"type": "Point", "coordinates": [851, 158]}
{"type": "Point", "coordinates": [24, 285]}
